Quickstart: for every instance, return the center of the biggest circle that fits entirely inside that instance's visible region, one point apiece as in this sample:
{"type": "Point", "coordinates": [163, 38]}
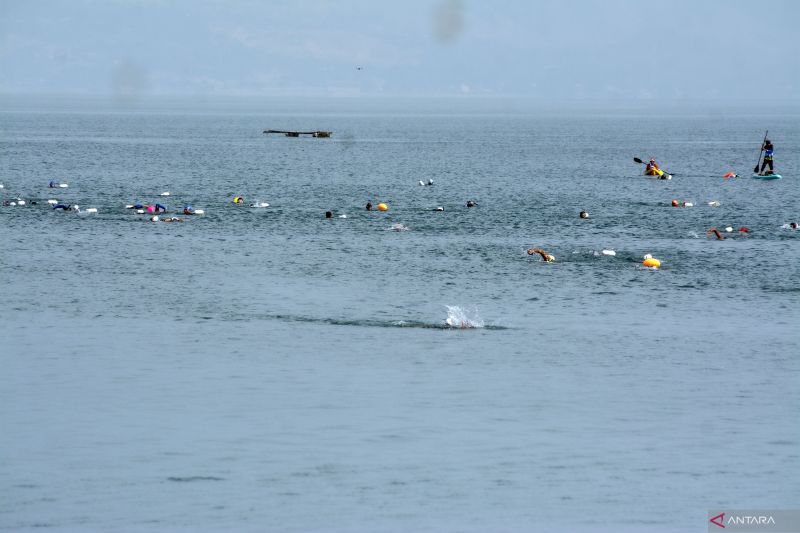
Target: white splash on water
{"type": "Point", "coordinates": [462, 318]}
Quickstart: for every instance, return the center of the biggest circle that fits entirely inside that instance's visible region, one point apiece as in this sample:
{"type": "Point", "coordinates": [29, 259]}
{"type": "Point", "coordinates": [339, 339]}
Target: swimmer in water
{"type": "Point", "coordinates": [455, 323]}
{"type": "Point", "coordinates": [471, 203]}
{"type": "Point", "coordinates": [171, 219]}
{"type": "Point", "coordinates": [716, 233]}
{"type": "Point", "coordinates": [545, 256]}
{"type": "Point", "coordinates": [584, 214]}
{"type": "Point", "coordinates": [793, 225]}
{"type": "Point", "coordinates": [328, 214]}
{"type": "Point", "coordinates": [188, 210]}
{"type": "Point", "coordinates": [369, 206]}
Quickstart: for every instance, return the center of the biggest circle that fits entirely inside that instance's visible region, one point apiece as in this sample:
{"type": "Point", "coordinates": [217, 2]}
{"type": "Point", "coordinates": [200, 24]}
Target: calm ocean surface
{"type": "Point", "coordinates": [271, 370]}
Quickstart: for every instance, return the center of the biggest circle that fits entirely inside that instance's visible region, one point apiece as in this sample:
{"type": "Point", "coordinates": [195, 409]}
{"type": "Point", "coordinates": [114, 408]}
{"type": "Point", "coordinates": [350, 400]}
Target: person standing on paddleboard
{"type": "Point", "coordinates": [768, 154]}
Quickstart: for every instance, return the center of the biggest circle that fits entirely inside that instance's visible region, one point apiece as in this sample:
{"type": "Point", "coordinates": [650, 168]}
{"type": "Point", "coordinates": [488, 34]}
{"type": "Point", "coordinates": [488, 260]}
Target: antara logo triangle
{"type": "Point", "coordinates": [718, 520]}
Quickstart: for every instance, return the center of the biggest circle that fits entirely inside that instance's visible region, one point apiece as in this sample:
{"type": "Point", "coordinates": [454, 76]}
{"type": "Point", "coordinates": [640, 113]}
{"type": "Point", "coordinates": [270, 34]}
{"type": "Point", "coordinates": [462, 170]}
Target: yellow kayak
{"type": "Point", "coordinates": [653, 172]}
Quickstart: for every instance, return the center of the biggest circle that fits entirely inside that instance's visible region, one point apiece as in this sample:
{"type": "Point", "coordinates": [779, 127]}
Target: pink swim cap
{"type": "Point", "coordinates": [151, 209]}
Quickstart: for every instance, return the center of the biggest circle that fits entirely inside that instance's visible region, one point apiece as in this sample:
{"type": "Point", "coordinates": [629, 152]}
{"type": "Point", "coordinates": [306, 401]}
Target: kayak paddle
{"type": "Point", "coordinates": [761, 151]}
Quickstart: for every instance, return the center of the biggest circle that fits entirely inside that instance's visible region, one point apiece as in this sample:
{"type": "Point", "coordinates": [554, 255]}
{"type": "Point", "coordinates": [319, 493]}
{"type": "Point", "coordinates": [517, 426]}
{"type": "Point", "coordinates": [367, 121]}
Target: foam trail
{"type": "Point", "coordinates": [460, 318]}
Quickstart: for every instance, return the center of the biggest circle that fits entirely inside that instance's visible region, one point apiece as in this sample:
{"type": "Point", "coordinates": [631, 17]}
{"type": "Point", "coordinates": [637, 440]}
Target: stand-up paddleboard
{"type": "Point", "coordinates": [767, 177]}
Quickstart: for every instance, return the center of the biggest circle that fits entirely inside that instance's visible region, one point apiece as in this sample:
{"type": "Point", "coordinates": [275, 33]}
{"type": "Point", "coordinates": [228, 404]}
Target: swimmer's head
{"type": "Point", "coordinates": [369, 206]}
{"type": "Point", "coordinates": [793, 225]}
{"type": "Point", "coordinates": [675, 203]}
{"type": "Point", "coordinates": [584, 214]}
{"type": "Point", "coordinates": [328, 214]}
{"type": "Point", "coordinates": [471, 203]}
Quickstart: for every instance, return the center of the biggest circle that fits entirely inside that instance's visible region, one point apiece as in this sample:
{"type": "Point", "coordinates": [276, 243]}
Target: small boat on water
{"type": "Point", "coordinates": [657, 172]}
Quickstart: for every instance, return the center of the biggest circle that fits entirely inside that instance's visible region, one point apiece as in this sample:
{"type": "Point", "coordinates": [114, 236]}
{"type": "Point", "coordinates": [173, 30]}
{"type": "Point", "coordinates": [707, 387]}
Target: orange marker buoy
{"type": "Point", "coordinates": [651, 262]}
{"type": "Point", "coordinates": [383, 207]}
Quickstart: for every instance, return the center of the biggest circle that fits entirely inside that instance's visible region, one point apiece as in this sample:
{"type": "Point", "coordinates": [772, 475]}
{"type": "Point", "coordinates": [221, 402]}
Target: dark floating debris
{"type": "Point", "coordinates": [319, 134]}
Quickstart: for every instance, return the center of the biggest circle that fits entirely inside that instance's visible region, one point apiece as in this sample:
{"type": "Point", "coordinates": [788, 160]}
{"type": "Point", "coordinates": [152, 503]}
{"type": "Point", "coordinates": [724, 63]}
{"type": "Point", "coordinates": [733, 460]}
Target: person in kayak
{"type": "Point", "coordinates": [652, 168]}
{"type": "Point", "coordinates": [768, 157]}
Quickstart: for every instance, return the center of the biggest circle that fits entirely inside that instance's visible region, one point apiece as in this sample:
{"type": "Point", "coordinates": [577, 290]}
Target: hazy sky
{"type": "Point", "coordinates": [634, 49]}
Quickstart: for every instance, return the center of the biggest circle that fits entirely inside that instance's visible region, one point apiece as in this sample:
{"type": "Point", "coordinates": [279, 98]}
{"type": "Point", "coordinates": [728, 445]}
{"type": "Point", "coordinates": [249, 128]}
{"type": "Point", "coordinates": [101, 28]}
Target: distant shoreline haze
{"type": "Point", "coordinates": [367, 105]}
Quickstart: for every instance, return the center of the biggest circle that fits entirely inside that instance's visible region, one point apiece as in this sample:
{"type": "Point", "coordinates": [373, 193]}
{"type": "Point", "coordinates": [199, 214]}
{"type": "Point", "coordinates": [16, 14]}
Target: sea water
{"type": "Point", "coordinates": [271, 369]}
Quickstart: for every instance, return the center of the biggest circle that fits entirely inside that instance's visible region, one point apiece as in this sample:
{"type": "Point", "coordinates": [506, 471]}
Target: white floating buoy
{"type": "Point", "coordinates": [165, 193]}
{"type": "Point", "coordinates": [609, 252]}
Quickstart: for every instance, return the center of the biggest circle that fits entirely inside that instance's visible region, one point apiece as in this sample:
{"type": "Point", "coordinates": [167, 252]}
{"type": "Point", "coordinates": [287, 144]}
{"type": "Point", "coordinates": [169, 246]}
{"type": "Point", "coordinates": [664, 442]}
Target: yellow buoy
{"type": "Point", "coordinates": [383, 207]}
{"type": "Point", "coordinates": [651, 262]}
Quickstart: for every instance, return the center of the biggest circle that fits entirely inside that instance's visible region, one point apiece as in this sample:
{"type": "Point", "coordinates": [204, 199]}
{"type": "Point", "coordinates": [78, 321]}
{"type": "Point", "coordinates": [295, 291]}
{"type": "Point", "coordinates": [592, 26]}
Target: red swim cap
{"type": "Point", "coordinates": [743, 230]}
